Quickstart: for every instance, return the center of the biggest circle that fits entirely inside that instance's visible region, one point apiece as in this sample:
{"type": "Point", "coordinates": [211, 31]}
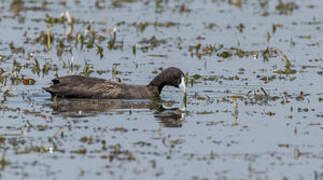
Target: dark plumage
{"type": "Point", "coordinates": [76, 86]}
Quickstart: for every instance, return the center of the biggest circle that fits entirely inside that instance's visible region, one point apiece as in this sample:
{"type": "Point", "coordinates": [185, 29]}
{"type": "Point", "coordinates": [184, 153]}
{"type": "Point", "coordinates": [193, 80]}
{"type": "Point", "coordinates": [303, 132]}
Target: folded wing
{"type": "Point", "coordinates": [83, 87]}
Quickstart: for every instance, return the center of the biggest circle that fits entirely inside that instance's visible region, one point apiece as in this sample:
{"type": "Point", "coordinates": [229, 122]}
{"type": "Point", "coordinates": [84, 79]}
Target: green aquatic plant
{"type": "Point", "coordinates": [4, 162]}
{"type": "Point", "coordinates": [206, 50]}
{"type": "Point", "coordinates": [240, 27]}
{"type": "Point", "coordinates": [288, 70]}
{"type": "Point", "coordinates": [16, 50]}
{"type": "Point", "coordinates": [152, 43]}
{"type": "Point", "coordinates": [196, 76]}
{"type": "Point", "coordinates": [118, 3]}
{"type": "Point", "coordinates": [36, 67]}
{"type": "Point", "coordinates": [112, 41]}
{"type": "Point", "coordinates": [99, 50]}
{"type": "Point", "coordinates": [16, 6]}
{"type": "Point", "coordinates": [225, 54]}
{"type": "Point", "coordinates": [285, 8]}
{"type": "Point", "coordinates": [48, 39]}
{"type": "Point", "coordinates": [142, 26]}
{"type": "Point", "coordinates": [44, 38]}
{"type": "Point", "coordinates": [183, 8]}
{"type": "Point", "coordinates": [236, 3]}
{"type": "Point", "coordinates": [87, 70]}
{"type": "Point", "coordinates": [185, 101]}
{"type": "Point", "coordinates": [236, 111]}
{"type": "Point", "coordinates": [134, 49]}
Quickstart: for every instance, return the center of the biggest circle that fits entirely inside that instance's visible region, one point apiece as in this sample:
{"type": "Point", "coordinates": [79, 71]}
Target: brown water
{"type": "Point", "coordinates": [254, 102]}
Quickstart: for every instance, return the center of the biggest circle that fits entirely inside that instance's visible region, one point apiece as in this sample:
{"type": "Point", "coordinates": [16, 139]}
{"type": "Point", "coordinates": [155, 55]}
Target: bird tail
{"type": "Point", "coordinates": [48, 89]}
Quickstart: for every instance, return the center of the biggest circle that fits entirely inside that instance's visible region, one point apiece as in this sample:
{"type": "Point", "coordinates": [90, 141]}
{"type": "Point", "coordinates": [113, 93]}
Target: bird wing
{"type": "Point", "coordinates": [83, 87]}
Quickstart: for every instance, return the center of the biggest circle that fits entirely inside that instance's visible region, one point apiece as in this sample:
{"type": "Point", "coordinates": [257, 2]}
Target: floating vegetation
{"type": "Point", "coordinates": [301, 96]}
{"type": "Point", "coordinates": [36, 67]}
{"type": "Point", "coordinates": [28, 81]}
{"type": "Point", "coordinates": [17, 6]}
{"type": "Point", "coordinates": [236, 3]}
{"type": "Point", "coordinates": [199, 51]}
{"type": "Point", "coordinates": [288, 70]}
{"type": "Point", "coordinates": [240, 28]}
{"type": "Point", "coordinates": [259, 96]}
{"type": "Point", "coordinates": [64, 17]}
{"type": "Point", "coordinates": [16, 50]}
{"type": "Point", "coordinates": [118, 3]}
{"type": "Point", "coordinates": [267, 53]}
{"type": "Point", "coordinates": [275, 26]}
{"type": "Point", "coordinates": [4, 162]}
{"type": "Point", "coordinates": [44, 38]}
{"type": "Point", "coordinates": [196, 76]}
{"type": "Point", "coordinates": [225, 54]}
{"type": "Point", "coordinates": [151, 43]}
{"type": "Point", "coordinates": [183, 8]}
{"type": "Point", "coordinates": [208, 50]}
{"type": "Point", "coordinates": [204, 112]}
{"type": "Point", "coordinates": [285, 8]}
{"type": "Point", "coordinates": [142, 26]}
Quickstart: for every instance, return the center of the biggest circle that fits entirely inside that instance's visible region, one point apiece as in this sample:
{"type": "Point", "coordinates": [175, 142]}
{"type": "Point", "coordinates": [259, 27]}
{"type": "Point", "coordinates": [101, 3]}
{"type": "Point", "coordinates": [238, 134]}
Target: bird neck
{"type": "Point", "coordinates": [158, 82]}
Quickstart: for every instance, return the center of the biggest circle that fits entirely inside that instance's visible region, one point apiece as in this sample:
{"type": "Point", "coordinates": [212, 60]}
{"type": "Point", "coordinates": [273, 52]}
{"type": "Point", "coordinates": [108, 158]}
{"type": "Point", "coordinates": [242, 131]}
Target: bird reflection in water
{"type": "Point", "coordinates": [168, 117]}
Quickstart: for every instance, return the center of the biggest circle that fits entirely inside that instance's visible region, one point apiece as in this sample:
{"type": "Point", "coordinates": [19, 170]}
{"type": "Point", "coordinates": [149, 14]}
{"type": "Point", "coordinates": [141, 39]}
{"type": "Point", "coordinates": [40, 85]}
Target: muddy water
{"type": "Point", "coordinates": [254, 102]}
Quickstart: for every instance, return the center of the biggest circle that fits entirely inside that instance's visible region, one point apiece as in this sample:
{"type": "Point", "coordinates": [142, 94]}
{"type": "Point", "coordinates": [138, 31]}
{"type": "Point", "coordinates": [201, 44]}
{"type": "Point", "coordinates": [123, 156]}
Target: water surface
{"type": "Point", "coordinates": [254, 89]}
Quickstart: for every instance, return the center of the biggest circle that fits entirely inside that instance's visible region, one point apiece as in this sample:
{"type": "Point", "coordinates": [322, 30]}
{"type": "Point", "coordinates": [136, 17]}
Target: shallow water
{"type": "Point", "coordinates": [254, 90]}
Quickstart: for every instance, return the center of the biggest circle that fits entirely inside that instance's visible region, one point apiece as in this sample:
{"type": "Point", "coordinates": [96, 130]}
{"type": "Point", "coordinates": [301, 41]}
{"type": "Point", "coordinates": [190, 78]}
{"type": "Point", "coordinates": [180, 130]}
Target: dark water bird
{"type": "Point", "coordinates": [76, 86]}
